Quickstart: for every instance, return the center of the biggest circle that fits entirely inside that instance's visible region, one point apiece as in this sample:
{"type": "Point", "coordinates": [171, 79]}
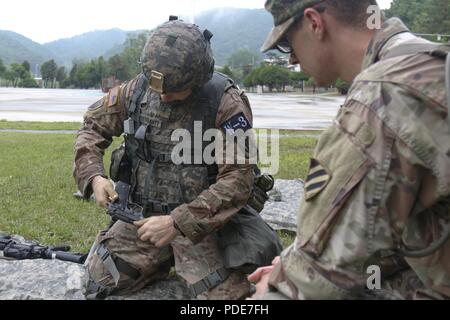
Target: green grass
{"type": "Point", "coordinates": [295, 133]}
{"type": "Point", "coordinates": [23, 125]}
{"type": "Point", "coordinates": [36, 186]}
{"type": "Point", "coordinates": [295, 154]}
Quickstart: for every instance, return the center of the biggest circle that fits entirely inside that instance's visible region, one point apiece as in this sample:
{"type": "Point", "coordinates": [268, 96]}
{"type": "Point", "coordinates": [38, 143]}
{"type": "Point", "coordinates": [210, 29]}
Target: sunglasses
{"type": "Point", "coordinates": [283, 45]}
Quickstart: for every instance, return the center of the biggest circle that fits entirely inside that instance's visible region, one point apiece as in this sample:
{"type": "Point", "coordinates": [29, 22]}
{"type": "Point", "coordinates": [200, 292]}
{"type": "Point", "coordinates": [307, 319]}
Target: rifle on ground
{"type": "Point", "coordinates": [119, 210]}
{"type": "Point", "coordinates": [10, 248]}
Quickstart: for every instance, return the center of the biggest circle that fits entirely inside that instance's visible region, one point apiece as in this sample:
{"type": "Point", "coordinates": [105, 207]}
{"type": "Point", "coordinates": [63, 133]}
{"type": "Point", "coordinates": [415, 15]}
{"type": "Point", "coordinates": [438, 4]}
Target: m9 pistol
{"type": "Point", "coordinates": [120, 209]}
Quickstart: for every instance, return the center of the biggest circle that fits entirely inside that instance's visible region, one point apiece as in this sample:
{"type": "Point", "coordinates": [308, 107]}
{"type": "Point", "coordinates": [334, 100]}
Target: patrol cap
{"type": "Point", "coordinates": [285, 14]}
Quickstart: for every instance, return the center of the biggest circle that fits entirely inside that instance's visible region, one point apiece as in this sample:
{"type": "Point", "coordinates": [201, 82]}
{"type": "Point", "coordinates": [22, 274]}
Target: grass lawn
{"type": "Point", "coordinates": [36, 185]}
{"type": "Point", "coordinates": [24, 125]}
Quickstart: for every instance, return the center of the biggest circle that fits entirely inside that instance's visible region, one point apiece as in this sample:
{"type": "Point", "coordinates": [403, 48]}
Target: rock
{"type": "Point", "coordinates": [172, 289]}
{"type": "Point", "coordinates": [60, 280]}
{"type": "Point", "coordinates": [41, 280]}
{"type": "Point", "coordinates": [275, 195]}
{"type": "Point", "coordinates": [281, 210]}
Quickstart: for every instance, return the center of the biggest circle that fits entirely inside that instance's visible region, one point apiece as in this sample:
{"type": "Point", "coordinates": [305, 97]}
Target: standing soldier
{"type": "Point", "coordinates": [374, 222]}
{"type": "Point", "coordinates": [187, 206]}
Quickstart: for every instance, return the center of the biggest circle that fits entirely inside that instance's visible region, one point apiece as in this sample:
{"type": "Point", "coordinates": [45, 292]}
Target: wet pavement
{"type": "Point", "coordinates": [280, 111]}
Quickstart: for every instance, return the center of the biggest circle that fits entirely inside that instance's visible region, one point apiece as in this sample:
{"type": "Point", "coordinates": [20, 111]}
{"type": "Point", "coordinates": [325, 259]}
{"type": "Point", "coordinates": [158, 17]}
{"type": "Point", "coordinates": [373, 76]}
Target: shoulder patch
{"type": "Point", "coordinates": [236, 122]}
{"type": "Point", "coordinates": [113, 97]}
{"type": "Point", "coordinates": [96, 105]}
{"type": "Point", "coordinates": [317, 180]}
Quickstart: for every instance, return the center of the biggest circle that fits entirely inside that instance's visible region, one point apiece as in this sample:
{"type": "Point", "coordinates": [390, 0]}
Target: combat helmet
{"type": "Point", "coordinates": [177, 57]}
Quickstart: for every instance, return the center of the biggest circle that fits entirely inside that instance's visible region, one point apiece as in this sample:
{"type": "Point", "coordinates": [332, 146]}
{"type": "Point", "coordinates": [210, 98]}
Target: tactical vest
{"type": "Point", "coordinates": [144, 160]}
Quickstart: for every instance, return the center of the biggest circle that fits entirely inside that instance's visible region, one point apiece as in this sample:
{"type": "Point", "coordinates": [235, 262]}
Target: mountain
{"type": "Point", "coordinates": [86, 46]}
{"type": "Point", "coordinates": [235, 29]}
{"type": "Point", "coordinates": [15, 48]}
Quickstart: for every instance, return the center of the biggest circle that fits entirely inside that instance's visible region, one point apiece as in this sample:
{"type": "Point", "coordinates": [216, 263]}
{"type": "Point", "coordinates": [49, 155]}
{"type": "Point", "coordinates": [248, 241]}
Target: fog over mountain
{"type": "Point", "coordinates": [233, 29]}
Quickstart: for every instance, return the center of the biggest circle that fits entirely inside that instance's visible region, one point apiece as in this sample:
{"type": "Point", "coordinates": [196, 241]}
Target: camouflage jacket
{"type": "Point", "coordinates": [379, 179]}
{"type": "Point", "coordinates": [213, 207]}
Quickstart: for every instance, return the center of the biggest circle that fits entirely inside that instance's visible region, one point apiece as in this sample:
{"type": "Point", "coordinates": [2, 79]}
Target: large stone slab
{"type": "Point", "coordinates": [60, 280]}
{"type": "Point", "coordinates": [41, 280]}
{"type": "Point", "coordinates": [281, 210]}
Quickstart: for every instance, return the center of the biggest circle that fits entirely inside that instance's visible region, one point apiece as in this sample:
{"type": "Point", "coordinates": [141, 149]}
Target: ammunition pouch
{"type": "Point", "coordinates": [120, 169]}
{"type": "Point", "coordinates": [247, 242]}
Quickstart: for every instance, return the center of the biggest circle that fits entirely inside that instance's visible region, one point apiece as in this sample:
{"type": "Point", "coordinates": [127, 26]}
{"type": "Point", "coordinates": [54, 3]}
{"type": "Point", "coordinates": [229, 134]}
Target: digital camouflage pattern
{"type": "Point", "coordinates": [180, 52]}
{"type": "Point", "coordinates": [205, 208]}
{"type": "Point", "coordinates": [383, 171]}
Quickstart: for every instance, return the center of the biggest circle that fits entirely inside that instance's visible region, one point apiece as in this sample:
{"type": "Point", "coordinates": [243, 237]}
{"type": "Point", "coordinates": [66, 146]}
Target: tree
{"type": "Point", "coordinates": [73, 75]}
{"type": "Point", "coordinates": [227, 71]}
{"type": "Point", "coordinates": [249, 81]}
{"type": "Point", "coordinates": [254, 78]}
{"type": "Point", "coordinates": [2, 69]}
{"type": "Point", "coordinates": [19, 76]}
{"type": "Point", "coordinates": [342, 86]}
{"type": "Point", "coordinates": [61, 75]}
{"type": "Point", "coordinates": [118, 68]}
{"type": "Point", "coordinates": [18, 73]}
{"type": "Point", "coordinates": [26, 65]}
{"type": "Point", "coordinates": [311, 83]}
{"type": "Point", "coordinates": [297, 79]}
{"type": "Point", "coordinates": [131, 56]}
{"type": "Point", "coordinates": [242, 58]}
{"type": "Point", "coordinates": [409, 11]}
{"type": "Point", "coordinates": [28, 83]}
{"type": "Point", "coordinates": [86, 76]}
{"type": "Point", "coordinates": [275, 77]}
{"type": "Point", "coordinates": [423, 16]}
{"type": "Point", "coordinates": [100, 69]}
{"type": "Point", "coordinates": [271, 76]}
{"type": "Point", "coordinates": [49, 71]}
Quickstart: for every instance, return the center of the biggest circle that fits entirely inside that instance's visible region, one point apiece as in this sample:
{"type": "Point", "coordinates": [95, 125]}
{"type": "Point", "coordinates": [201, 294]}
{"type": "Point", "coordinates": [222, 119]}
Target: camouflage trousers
{"type": "Point", "coordinates": [192, 263]}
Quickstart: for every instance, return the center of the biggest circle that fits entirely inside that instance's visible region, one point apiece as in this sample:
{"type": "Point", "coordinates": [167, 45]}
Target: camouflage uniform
{"type": "Point", "coordinates": [201, 208]}
{"type": "Point", "coordinates": [196, 254]}
{"type": "Point", "coordinates": [379, 180]}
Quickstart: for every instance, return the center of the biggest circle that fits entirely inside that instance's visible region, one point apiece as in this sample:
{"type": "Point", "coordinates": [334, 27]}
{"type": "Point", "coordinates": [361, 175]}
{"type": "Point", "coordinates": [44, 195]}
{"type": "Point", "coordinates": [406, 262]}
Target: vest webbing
{"type": "Point", "coordinates": [208, 97]}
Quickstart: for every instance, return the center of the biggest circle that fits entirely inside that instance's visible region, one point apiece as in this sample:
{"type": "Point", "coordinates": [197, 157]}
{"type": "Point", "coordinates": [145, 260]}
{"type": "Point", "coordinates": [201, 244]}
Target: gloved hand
{"type": "Point", "coordinates": [104, 191]}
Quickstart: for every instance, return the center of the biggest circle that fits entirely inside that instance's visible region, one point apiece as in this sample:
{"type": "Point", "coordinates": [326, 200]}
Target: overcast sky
{"type": "Point", "coordinates": [48, 20]}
